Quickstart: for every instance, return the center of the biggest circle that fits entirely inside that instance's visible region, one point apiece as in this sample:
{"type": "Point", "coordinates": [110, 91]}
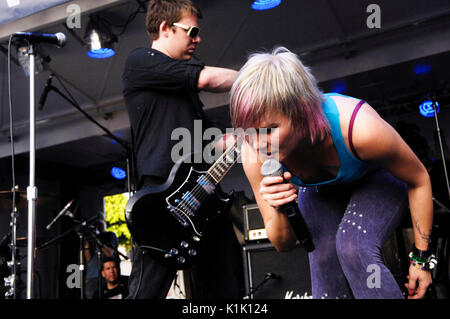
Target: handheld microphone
{"type": "Point", "coordinates": [60, 214]}
{"type": "Point", "coordinates": [272, 167]}
{"type": "Point", "coordinates": [44, 94]}
{"type": "Point", "coordinates": [58, 39]}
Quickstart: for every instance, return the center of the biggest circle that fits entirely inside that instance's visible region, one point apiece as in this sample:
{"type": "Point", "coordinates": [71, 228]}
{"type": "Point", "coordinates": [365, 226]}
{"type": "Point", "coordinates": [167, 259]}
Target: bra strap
{"type": "Point", "coordinates": [350, 127]}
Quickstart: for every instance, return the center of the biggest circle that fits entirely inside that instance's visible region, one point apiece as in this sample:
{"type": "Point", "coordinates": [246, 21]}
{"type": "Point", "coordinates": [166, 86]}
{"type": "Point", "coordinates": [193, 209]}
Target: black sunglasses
{"type": "Point", "coordinates": [191, 31]}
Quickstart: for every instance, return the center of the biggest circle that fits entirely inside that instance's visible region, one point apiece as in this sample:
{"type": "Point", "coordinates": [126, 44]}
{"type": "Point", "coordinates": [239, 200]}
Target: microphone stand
{"type": "Point", "coordinates": [129, 154]}
{"type": "Point", "coordinates": [124, 144]}
{"type": "Point", "coordinates": [99, 245]}
{"type": "Point", "coordinates": [131, 178]}
{"type": "Point", "coordinates": [98, 253]}
{"type": "Point", "coordinates": [99, 269]}
{"type": "Point", "coordinates": [83, 227]}
{"type": "Point", "coordinates": [441, 146]}
{"type": "Point", "coordinates": [267, 277]}
{"type": "Point", "coordinates": [62, 212]}
{"type": "Point", "coordinates": [32, 191]}
{"type": "Point", "coordinates": [81, 261]}
{"type": "Point", "coordinates": [80, 228]}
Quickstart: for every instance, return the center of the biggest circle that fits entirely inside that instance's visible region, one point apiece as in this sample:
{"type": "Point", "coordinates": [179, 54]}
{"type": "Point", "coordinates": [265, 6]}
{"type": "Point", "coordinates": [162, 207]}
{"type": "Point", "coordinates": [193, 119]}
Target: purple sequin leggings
{"type": "Point", "coordinates": [349, 225]}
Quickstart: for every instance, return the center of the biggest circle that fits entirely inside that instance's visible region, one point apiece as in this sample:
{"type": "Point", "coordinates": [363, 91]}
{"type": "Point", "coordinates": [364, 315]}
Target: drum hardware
{"type": "Point", "coordinates": [15, 199]}
{"type": "Point", "coordinates": [13, 264]}
{"type": "Point", "coordinates": [20, 199]}
{"type": "Point", "coordinates": [32, 190]}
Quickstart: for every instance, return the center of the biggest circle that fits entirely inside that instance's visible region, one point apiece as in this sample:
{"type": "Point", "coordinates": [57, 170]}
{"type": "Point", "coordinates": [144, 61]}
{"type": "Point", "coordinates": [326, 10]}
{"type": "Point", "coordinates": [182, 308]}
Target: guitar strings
{"type": "Point", "coordinates": [198, 189]}
{"type": "Point", "coordinates": [218, 164]}
{"type": "Point", "coordinates": [198, 192]}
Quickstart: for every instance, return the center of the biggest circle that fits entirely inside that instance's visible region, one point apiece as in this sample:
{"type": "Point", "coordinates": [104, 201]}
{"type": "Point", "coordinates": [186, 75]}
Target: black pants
{"type": "Point", "coordinates": [218, 274]}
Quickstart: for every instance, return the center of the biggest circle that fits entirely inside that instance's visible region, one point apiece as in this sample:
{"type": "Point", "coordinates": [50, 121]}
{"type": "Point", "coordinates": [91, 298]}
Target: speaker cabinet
{"type": "Point", "coordinates": [276, 275]}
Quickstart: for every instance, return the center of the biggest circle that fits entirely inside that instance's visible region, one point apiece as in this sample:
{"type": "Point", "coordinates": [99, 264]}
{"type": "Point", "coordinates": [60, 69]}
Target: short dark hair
{"type": "Point", "coordinates": [109, 259]}
{"type": "Point", "coordinates": [167, 10]}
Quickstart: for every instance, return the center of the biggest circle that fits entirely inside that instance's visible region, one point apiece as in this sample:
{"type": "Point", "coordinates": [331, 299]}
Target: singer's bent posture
{"type": "Point", "coordinates": [355, 176]}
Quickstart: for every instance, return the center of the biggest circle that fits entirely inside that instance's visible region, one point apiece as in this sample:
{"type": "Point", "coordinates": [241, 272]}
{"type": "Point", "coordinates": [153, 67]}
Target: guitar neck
{"type": "Point", "coordinates": [221, 167]}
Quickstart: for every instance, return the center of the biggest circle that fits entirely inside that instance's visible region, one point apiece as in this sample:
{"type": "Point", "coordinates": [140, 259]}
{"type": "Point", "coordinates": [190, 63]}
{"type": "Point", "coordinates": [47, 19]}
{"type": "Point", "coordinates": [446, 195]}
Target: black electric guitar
{"type": "Point", "coordinates": [169, 220]}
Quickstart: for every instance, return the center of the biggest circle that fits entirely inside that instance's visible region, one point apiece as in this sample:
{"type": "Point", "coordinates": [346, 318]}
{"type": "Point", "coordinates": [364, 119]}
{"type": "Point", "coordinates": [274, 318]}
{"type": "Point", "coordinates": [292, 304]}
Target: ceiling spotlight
{"type": "Point", "coordinates": [422, 68]}
{"type": "Point", "coordinates": [426, 108]}
{"type": "Point", "coordinates": [100, 39]}
{"type": "Point", "coordinates": [118, 173]}
{"type": "Point", "coordinates": [12, 3]}
{"type": "Point", "coordinates": [260, 5]}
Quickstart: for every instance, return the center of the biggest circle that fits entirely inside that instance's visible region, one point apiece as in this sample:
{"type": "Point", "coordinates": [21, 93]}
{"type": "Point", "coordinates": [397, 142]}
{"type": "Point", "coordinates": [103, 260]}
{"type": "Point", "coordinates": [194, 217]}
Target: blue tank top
{"type": "Point", "coordinates": [350, 168]}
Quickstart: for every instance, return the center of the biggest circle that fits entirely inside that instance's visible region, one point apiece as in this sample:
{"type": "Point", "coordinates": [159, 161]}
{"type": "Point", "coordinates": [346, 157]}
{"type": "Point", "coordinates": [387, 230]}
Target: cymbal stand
{"type": "Point", "coordinates": [81, 260]}
{"type": "Point", "coordinates": [12, 279]}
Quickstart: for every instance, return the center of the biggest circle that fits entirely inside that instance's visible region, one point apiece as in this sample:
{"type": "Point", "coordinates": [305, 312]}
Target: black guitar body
{"type": "Point", "coordinates": [169, 220]}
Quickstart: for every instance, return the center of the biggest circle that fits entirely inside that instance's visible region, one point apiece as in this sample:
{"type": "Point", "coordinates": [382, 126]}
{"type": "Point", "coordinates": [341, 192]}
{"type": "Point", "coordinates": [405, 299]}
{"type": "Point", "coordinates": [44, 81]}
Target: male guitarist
{"type": "Point", "coordinates": [161, 86]}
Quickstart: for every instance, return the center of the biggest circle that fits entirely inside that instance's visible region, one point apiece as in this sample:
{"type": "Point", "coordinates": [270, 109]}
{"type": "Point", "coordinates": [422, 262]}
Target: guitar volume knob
{"type": "Point", "coordinates": [184, 244]}
{"type": "Point", "coordinates": [192, 252]}
{"type": "Point", "coordinates": [181, 260]}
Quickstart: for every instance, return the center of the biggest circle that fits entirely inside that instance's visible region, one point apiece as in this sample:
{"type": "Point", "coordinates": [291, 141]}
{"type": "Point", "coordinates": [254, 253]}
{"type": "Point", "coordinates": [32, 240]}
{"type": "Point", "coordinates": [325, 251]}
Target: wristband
{"type": "Point", "coordinates": [421, 262]}
{"type": "Point", "coordinates": [421, 253]}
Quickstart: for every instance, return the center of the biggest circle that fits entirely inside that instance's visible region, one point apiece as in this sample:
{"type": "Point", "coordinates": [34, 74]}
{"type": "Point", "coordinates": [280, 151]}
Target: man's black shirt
{"type": "Point", "coordinates": [119, 292]}
{"type": "Point", "coordinates": [161, 94]}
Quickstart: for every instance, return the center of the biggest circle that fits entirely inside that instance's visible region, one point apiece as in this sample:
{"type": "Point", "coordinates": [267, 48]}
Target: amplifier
{"type": "Point", "coordinates": [253, 223]}
{"type": "Point", "coordinates": [270, 274]}
{"type": "Point", "coordinates": [254, 229]}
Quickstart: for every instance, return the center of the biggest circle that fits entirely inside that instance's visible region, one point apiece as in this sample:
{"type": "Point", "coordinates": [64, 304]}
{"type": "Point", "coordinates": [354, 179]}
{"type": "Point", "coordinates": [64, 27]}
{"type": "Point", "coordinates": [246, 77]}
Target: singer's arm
{"type": "Point", "coordinates": [387, 148]}
{"type": "Point", "coordinates": [269, 193]}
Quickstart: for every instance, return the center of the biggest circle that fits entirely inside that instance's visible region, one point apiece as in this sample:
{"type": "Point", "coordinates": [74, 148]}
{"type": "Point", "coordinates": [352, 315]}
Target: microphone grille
{"type": "Point", "coordinates": [61, 39]}
{"type": "Point", "coordinates": [271, 167]}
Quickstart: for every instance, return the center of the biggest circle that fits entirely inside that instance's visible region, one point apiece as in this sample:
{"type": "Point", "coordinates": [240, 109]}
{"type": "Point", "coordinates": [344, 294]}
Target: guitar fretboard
{"type": "Point", "coordinates": [221, 167]}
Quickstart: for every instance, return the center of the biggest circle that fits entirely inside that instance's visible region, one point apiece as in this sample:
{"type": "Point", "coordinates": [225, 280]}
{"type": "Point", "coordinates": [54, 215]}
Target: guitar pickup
{"type": "Point", "coordinates": [206, 184]}
{"type": "Point", "coordinates": [190, 199]}
{"type": "Point", "coordinates": [177, 215]}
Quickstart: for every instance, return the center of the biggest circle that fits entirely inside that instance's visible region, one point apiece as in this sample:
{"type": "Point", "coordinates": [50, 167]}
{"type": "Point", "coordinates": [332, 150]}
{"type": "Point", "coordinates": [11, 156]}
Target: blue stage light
{"type": "Point", "coordinates": [100, 40]}
{"type": "Point", "coordinates": [118, 173]}
{"type": "Point", "coordinates": [339, 86]}
{"type": "Point", "coordinates": [426, 108]}
{"type": "Point", "coordinates": [265, 4]}
{"type": "Point", "coordinates": [103, 53]}
{"type": "Point", "coordinates": [422, 68]}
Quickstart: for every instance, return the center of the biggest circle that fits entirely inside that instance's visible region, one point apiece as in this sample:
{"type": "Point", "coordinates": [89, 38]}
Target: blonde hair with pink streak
{"type": "Point", "coordinates": [278, 82]}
